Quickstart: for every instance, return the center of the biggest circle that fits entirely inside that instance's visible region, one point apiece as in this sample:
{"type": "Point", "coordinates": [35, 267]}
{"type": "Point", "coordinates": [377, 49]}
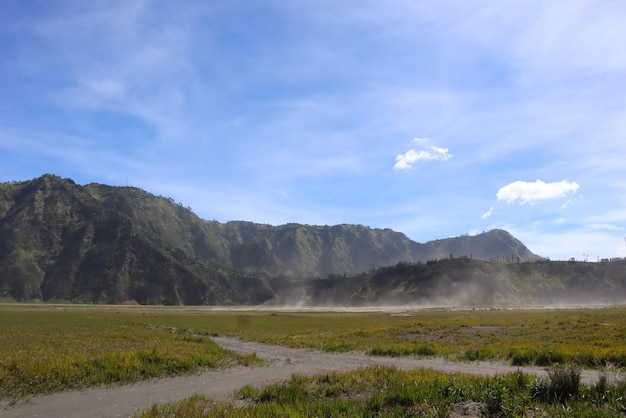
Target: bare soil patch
{"type": "Point", "coordinates": [469, 410]}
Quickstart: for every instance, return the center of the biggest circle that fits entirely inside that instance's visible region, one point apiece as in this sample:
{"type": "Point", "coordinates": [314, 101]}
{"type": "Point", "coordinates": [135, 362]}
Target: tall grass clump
{"type": "Point", "coordinates": [194, 406]}
{"type": "Point", "coordinates": [560, 385]}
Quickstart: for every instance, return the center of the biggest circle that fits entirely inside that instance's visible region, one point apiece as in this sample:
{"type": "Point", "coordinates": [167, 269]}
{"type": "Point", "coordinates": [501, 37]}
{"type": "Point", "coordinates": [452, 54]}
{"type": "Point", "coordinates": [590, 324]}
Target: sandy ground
{"type": "Point", "coordinates": [282, 362]}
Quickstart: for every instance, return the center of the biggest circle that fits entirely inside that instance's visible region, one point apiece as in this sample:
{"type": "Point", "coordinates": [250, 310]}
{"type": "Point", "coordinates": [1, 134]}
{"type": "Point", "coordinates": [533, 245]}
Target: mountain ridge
{"type": "Point", "coordinates": [104, 244]}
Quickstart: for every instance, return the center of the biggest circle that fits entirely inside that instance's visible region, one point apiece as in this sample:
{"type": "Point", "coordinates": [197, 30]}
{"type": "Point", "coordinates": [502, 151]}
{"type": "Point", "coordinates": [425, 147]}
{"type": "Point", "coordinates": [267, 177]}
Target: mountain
{"type": "Point", "coordinates": [305, 250]}
{"type": "Point", "coordinates": [495, 245]}
{"type": "Point", "coordinates": [98, 244]}
{"type": "Point", "coordinates": [60, 241]}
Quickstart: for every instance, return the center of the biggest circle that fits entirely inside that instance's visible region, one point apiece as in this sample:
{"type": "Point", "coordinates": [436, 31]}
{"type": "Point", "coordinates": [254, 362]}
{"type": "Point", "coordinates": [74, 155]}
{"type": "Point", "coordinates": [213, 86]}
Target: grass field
{"type": "Point", "coordinates": [46, 348]}
{"type": "Point", "coordinates": [389, 392]}
{"type": "Point", "coordinates": [593, 338]}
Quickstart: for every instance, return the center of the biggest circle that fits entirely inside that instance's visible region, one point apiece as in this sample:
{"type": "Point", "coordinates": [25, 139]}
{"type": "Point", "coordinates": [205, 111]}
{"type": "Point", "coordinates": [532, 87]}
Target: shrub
{"type": "Point", "coordinates": [399, 350]}
{"type": "Point", "coordinates": [548, 358]}
{"type": "Point", "coordinates": [519, 379]}
{"type": "Point", "coordinates": [540, 389]}
{"type": "Point", "coordinates": [195, 406]}
{"type": "Point", "coordinates": [601, 388]}
{"type": "Point", "coordinates": [565, 382]}
{"type": "Point", "coordinates": [496, 395]}
{"type": "Point", "coordinates": [477, 354]}
{"type": "Point", "coordinates": [285, 393]}
{"type": "Point", "coordinates": [561, 385]}
{"type": "Point", "coordinates": [247, 392]}
{"type": "Point", "coordinates": [455, 391]}
{"type": "Point", "coordinates": [425, 350]}
{"type": "Point", "coordinates": [520, 358]}
{"type": "Point", "coordinates": [401, 394]}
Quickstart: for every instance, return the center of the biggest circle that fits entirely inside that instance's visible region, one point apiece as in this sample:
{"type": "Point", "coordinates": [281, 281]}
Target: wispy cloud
{"type": "Point", "coordinates": [281, 111]}
{"type": "Point", "coordinates": [526, 192]}
{"type": "Point", "coordinates": [123, 61]}
{"type": "Point", "coordinates": [605, 226]}
{"type": "Point", "coordinates": [488, 213]}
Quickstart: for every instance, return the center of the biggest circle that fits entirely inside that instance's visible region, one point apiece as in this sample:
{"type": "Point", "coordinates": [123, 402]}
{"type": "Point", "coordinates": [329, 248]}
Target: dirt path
{"type": "Point", "coordinates": [219, 384]}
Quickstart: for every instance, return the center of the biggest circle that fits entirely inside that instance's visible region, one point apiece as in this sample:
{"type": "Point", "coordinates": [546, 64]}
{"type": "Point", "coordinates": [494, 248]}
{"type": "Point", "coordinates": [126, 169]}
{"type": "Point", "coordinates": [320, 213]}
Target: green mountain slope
{"type": "Point", "coordinates": [494, 245]}
{"type": "Point", "coordinates": [60, 241]}
{"type": "Point", "coordinates": [305, 250]}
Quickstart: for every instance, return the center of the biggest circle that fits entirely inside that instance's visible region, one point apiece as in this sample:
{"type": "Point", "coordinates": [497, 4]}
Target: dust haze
{"type": "Point", "coordinates": [451, 291]}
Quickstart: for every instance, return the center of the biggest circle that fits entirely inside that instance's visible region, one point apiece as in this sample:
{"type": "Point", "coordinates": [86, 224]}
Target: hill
{"type": "Point", "coordinates": [60, 241]}
{"type": "Point", "coordinates": [466, 282]}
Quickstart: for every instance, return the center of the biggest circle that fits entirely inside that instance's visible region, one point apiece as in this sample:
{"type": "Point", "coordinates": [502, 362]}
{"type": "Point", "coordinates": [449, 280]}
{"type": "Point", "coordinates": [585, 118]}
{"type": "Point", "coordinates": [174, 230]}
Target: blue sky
{"type": "Point", "coordinates": [431, 118]}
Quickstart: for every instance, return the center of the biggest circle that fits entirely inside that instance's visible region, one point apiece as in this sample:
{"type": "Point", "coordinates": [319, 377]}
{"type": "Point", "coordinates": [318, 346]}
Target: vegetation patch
{"type": "Point", "coordinates": [44, 350]}
{"type": "Point", "coordinates": [578, 337]}
{"type": "Point", "coordinates": [387, 391]}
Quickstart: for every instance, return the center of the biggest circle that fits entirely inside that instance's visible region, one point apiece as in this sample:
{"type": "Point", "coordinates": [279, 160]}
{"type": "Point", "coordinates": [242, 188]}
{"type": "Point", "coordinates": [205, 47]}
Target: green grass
{"type": "Point", "coordinates": [386, 391]}
{"type": "Point", "coordinates": [590, 338]}
{"type": "Point", "coordinates": [45, 348]}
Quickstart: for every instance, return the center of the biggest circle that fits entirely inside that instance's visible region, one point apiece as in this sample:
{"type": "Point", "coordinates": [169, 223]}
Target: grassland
{"type": "Point", "coordinates": [389, 392]}
{"type": "Point", "coordinates": [47, 348]}
{"type": "Point", "coordinates": [591, 338]}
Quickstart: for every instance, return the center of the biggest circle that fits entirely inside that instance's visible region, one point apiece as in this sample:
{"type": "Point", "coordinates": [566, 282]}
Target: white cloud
{"type": "Point", "coordinates": [408, 159]}
{"type": "Point", "coordinates": [527, 192]}
{"type": "Point", "coordinates": [420, 141]}
{"type": "Point", "coordinates": [488, 213]}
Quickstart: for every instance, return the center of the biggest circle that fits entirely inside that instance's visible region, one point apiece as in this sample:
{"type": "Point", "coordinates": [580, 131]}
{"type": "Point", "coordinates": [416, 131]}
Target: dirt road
{"type": "Point", "coordinates": [282, 362]}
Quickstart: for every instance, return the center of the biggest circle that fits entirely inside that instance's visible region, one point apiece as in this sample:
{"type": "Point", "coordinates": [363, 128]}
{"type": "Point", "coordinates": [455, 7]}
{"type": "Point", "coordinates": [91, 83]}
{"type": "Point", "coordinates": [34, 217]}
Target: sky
{"type": "Point", "coordinates": [432, 118]}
